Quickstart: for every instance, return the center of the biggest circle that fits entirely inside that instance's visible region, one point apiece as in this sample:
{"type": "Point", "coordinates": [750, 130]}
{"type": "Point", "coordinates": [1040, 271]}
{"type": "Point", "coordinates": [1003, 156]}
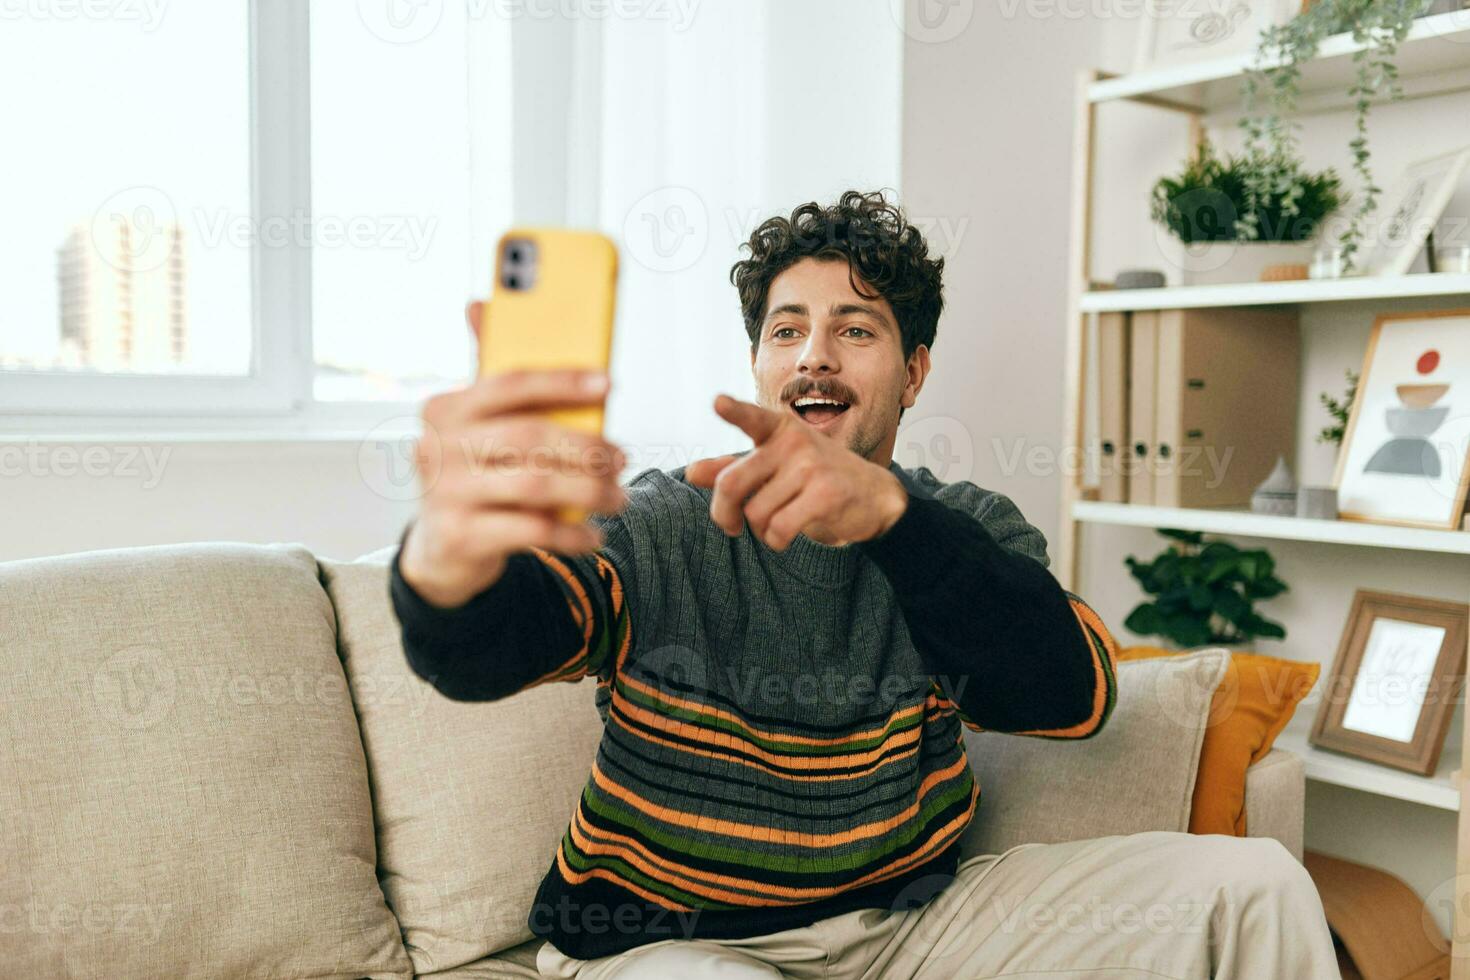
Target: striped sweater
{"type": "Point", "coordinates": [782, 730]}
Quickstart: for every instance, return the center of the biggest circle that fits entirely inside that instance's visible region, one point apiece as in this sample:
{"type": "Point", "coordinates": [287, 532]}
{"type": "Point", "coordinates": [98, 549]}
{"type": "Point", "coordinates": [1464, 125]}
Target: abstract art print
{"type": "Point", "coordinates": [1408, 212]}
{"type": "Point", "coordinates": [1403, 457]}
{"type": "Point", "coordinates": [1177, 32]}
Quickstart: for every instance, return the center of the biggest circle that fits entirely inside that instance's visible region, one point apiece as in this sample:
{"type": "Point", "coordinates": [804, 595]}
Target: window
{"type": "Point", "coordinates": [240, 214]}
{"type": "Point", "coordinates": [111, 263]}
{"type": "Point", "coordinates": [390, 186]}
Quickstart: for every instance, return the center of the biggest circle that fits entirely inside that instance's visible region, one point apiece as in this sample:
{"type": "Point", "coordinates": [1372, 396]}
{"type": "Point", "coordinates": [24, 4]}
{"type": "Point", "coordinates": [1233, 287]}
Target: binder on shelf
{"type": "Point", "coordinates": [1113, 448]}
{"type": "Point", "coordinates": [1143, 353]}
{"type": "Point", "coordinates": [1225, 403]}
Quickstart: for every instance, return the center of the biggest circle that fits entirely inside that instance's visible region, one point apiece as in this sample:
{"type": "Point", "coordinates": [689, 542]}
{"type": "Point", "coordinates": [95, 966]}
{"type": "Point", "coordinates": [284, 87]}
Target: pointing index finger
{"type": "Point", "coordinates": [754, 421]}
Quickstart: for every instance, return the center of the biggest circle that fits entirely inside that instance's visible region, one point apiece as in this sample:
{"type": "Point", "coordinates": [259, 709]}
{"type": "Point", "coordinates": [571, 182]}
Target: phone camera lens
{"type": "Point", "coordinates": [513, 282]}
{"type": "Point", "coordinates": [514, 255]}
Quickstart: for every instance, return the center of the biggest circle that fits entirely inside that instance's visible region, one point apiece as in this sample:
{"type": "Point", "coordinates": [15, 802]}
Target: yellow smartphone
{"type": "Point", "coordinates": [552, 307]}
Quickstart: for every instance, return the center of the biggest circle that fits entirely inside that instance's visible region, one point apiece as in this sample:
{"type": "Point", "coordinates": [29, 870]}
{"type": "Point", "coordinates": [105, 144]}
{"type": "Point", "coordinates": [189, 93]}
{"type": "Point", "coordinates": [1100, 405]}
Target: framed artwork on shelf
{"type": "Point", "coordinates": [1409, 210]}
{"type": "Point", "coordinates": [1394, 681]}
{"type": "Point", "coordinates": [1177, 32]}
{"type": "Point", "coordinates": [1404, 454]}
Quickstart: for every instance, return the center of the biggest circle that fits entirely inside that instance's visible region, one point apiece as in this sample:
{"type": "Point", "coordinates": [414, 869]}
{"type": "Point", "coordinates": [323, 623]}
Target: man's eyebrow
{"type": "Point", "coordinates": [848, 309]}
{"type": "Point", "coordinates": [794, 309]}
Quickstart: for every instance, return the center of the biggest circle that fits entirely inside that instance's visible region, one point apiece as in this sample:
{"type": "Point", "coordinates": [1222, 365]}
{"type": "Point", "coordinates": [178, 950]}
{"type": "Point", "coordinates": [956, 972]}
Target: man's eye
{"type": "Point", "coordinates": [859, 330]}
{"type": "Point", "coordinates": [783, 332]}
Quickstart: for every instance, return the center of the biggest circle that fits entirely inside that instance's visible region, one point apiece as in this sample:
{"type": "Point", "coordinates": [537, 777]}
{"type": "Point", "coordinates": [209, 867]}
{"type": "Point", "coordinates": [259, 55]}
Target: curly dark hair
{"type": "Point", "coordinates": [876, 241]}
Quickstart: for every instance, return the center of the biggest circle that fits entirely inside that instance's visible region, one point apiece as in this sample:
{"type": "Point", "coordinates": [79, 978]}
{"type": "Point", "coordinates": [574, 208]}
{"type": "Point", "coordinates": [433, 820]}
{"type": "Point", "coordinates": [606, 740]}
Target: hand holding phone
{"type": "Point", "coordinates": [517, 460]}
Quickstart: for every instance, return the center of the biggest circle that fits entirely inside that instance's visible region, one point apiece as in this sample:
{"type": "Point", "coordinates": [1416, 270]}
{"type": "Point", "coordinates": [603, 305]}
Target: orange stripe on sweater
{"type": "Point", "coordinates": [723, 715]}
{"type": "Point", "coordinates": [747, 831]}
{"type": "Point", "coordinates": [725, 740]}
{"type": "Point", "coordinates": [1099, 684]}
{"type": "Point", "coordinates": [937, 841]}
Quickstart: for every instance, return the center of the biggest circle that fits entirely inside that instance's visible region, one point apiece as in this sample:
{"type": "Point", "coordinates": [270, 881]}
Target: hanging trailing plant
{"type": "Point", "coordinates": [1340, 411]}
{"type": "Point", "coordinates": [1271, 92]}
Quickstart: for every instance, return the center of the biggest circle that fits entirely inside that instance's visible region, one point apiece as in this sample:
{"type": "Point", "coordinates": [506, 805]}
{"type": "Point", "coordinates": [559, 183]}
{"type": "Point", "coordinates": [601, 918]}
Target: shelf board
{"type": "Point", "coordinates": [1439, 790]}
{"type": "Point", "coordinates": [1436, 45]}
{"type": "Point", "coordinates": [1356, 289]}
{"type": "Point", "coordinates": [1247, 524]}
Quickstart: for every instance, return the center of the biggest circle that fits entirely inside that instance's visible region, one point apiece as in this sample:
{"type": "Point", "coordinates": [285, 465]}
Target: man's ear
{"type": "Point", "coordinates": [918, 370]}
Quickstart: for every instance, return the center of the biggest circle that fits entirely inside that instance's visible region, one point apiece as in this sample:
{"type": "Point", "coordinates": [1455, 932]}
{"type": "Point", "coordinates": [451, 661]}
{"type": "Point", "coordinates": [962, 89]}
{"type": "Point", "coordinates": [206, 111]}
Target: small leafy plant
{"type": "Point", "coordinates": [1273, 87]}
{"type": "Point", "coordinates": [1205, 592]}
{"type": "Point", "coordinates": [1339, 410]}
{"type": "Point", "coordinates": [1208, 202]}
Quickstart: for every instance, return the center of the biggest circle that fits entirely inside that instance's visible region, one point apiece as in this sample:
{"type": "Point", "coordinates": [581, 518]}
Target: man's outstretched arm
{"type": "Point", "coordinates": [1007, 645]}
{"type": "Point", "coordinates": [548, 617]}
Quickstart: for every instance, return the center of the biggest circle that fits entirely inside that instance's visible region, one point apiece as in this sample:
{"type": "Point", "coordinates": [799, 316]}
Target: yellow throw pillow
{"type": "Point", "coordinates": [1255, 700]}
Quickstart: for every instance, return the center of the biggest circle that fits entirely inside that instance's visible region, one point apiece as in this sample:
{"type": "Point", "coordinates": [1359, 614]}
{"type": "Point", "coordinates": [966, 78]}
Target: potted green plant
{"type": "Point", "coordinates": [1205, 207]}
{"type": "Point", "coordinates": [1204, 592]}
{"type": "Point", "coordinates": [1273, 87]}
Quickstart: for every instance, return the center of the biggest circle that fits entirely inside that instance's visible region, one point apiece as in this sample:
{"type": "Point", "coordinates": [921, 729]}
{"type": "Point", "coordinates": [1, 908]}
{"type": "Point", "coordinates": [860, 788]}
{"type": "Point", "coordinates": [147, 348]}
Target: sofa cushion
{"type": "Point", "coordinates": [1252, 706]}
{"type": "Point", "coordinates": [1136, 774]}
{"type": "Point", "coordinates": [182, 784]}
{"type": "Point", "coordinates": [471, 799]}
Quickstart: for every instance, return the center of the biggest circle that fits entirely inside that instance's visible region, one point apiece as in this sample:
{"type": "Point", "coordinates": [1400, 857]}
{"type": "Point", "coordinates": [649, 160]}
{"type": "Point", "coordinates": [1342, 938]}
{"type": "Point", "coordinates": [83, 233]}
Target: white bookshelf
{"type": "Point", "coordinates": [1441, 790]}
{"type": "Point", "coordinates": [1434, 59]}
{"type": "Point", "coordinates": [1222, 520]}
{"type": "Point", "coordinates": [1296, 293]}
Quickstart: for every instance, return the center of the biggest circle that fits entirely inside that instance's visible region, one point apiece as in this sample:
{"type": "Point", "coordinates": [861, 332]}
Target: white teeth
{"type": "Point", "coordinates": [804, 402]}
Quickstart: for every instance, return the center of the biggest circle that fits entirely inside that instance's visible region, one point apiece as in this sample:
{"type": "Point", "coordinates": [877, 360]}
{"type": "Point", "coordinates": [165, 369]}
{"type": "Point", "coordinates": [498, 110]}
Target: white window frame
{"type": "Point", "coordinates": [276, 396]}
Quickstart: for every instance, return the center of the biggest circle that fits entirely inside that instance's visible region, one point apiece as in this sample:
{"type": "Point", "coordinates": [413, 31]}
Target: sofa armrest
{"type": "Point", "coordinates": [1275, 799]}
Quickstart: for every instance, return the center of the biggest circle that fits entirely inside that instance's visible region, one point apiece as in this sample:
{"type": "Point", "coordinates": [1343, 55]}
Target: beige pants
{"type": "Point", "coordinates": [1163, 906]}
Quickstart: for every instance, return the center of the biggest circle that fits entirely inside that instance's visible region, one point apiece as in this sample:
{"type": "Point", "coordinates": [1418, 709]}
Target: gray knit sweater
{"type": "Point", "coordinates": [782, 729]}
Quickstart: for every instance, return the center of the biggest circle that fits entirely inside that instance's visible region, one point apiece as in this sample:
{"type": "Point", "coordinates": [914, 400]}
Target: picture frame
{"type": "Point", "coordinates": [1409, 210]}
{"type": "Point", "coordinates": [1394, 681]}
{"type": "Point", "coordinates": [1180, 32]}
{"type": "Point", "coordinates": [1405, 456]}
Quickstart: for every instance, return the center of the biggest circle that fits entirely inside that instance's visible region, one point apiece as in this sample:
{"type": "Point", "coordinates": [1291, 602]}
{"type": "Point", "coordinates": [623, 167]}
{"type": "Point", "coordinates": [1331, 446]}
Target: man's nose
{"type": "Point", "coordinates": [817, 357]}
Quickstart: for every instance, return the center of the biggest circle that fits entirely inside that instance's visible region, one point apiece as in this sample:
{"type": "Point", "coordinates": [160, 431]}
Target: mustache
{"type": "Point", "coordinates": [825, 387]}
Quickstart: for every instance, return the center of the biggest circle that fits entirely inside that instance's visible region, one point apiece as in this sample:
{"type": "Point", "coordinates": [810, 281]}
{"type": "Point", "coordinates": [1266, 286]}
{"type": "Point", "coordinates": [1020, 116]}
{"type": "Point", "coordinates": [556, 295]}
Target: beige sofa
{"type": "Point", "coordinates": [215, 763]}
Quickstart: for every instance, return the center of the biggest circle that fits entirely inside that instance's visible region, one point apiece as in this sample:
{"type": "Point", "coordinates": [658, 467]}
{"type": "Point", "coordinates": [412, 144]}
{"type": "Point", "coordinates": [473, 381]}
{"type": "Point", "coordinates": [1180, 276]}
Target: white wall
{"type": "Point", "coordinates": [988, 119]}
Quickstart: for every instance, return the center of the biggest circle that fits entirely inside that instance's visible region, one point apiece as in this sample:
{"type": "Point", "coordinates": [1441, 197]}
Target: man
{"type": "Point", "coordinates": [786, 643]}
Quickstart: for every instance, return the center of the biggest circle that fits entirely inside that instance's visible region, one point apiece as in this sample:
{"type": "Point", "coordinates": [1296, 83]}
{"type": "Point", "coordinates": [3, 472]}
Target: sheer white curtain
{"type": "Point", "coordinates": [684, 125]}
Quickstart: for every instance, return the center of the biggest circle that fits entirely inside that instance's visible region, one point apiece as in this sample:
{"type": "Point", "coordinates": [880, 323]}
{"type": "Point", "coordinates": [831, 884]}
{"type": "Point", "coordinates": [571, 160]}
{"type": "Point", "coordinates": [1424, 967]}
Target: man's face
{"type": "Point", "coordinates": [822, 342]}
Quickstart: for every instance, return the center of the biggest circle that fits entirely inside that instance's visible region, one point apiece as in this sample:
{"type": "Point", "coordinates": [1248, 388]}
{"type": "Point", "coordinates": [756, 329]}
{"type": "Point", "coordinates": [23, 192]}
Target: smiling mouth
{"type": "Point", "coordinates": [819, 410]}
